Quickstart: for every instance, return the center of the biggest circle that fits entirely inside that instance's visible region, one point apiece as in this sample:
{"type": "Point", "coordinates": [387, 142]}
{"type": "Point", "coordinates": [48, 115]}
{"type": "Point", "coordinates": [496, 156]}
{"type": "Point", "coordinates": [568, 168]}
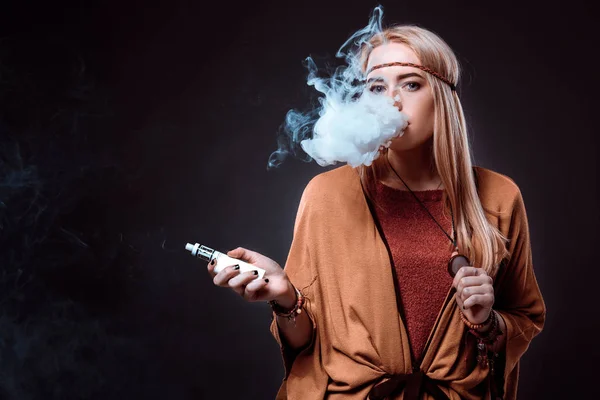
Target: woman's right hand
{"type": "Point", "coordinates": [274, 286]}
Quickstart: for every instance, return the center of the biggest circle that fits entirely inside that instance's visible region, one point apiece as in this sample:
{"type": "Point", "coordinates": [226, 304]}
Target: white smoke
{"type": "Point", "coordinates": [354, 131]}
{"type": "Point", "coordinates": [351, 124]}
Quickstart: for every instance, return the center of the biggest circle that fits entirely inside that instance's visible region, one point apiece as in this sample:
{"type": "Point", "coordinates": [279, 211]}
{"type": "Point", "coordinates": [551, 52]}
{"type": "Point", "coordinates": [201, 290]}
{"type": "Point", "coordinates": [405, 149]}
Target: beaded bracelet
{"type": "Point", "coordinates": [471, 325]}
{"type": "Point", "coordinates": [485, 339]}
{"type": "Point", "coordinates": [489, 337]}
{"type": "Point", "coordinates": [291, 314]}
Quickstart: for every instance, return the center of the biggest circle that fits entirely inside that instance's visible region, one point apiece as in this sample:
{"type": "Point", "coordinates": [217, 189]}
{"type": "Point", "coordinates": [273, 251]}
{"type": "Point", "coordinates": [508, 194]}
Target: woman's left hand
{"type": "Point", "coordinates": [474, 293]}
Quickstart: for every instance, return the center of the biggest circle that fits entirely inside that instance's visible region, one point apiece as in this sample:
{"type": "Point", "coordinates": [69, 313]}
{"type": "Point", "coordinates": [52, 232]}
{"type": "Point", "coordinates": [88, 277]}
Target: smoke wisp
{"type": "Point", "coordinates": [350, 124]}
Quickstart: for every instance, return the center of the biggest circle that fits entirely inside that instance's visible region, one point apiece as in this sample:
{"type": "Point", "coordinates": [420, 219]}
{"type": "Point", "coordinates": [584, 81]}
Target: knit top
{"type": "Point", "coordinates": [420, 253]}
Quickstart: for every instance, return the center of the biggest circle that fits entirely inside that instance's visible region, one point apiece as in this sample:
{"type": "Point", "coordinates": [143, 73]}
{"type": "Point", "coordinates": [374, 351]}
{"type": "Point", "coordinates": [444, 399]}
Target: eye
{"type": "Point", "coordinates": [377, 89]}
{"type": "Point", "coordinates": [412, 86]}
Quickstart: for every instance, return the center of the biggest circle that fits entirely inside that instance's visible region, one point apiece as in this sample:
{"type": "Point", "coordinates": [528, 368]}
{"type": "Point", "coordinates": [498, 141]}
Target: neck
{"type": "Point", "coordinates": [415, 167]}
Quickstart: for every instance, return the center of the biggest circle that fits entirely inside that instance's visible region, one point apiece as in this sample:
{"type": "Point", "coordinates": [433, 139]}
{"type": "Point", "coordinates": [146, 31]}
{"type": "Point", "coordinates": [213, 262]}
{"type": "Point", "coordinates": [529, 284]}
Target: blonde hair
{"type": "Point", "coordinates": [476, 236]}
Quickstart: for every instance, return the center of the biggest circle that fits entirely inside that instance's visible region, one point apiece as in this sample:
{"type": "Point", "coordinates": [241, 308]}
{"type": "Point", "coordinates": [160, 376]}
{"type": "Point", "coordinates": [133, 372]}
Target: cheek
{"type": "Point", "coordinates": [423, 113]}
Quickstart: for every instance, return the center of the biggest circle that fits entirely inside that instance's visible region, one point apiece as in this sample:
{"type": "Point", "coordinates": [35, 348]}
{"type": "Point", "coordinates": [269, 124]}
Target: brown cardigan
{"type": "Point", "coordinates": [341, 264]}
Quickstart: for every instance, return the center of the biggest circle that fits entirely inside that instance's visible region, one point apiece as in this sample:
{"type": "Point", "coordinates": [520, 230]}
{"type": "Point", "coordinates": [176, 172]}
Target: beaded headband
{"type": "Point", "coordinates": [406, 64]}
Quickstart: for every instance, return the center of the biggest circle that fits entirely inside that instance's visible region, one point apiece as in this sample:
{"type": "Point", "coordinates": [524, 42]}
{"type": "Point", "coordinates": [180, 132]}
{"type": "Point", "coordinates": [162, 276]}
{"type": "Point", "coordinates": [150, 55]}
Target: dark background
{"type": "Point", "coordinates": [128, 129]}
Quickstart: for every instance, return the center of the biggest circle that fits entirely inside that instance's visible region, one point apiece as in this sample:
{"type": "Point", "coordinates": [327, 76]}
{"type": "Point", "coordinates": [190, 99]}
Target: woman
{"type": "Point", "coordinates": [365, 307]}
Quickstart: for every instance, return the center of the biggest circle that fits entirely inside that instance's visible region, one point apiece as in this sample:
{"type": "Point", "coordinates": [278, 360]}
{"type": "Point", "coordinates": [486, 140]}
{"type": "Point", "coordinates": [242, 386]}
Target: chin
{"type": "Point", "coordinates": [402, 147]}
{"type": "Point", "coordinates": [408, 142]}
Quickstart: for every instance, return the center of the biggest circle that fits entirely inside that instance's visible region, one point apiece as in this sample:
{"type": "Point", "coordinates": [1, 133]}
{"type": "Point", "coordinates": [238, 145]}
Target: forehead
{"type": "Point", "coordinates": [391, 52]}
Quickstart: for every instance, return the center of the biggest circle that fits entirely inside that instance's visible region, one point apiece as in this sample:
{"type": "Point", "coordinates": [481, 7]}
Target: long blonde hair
{"type": "Point", "coordinates": [476, 237]}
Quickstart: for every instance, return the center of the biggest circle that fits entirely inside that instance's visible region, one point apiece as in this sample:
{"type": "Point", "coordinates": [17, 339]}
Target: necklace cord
{"type": "Point", "coordinates": [452, 239]}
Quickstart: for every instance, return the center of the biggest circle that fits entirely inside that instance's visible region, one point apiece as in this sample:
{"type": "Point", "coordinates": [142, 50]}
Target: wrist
{"type": "Point", "coordinates": [489, 333]}
{"type": "Point", "coordinates": [289, 298]}
{"type": "Point", "coordinates": [480, 327]}
{"type": "Point", "coordinates": [487, 324]}
{"type": "Point", "coordinates": [291, 312]}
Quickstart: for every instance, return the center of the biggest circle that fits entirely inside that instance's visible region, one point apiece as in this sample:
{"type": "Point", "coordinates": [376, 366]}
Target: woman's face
{"type": "Point", "coordinates": [409, 89]}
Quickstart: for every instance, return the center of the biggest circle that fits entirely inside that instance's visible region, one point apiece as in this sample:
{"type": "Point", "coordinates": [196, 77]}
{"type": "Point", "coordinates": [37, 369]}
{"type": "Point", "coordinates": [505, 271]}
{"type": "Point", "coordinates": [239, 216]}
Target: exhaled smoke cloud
{"type": "Point", "coordinates": [350, 123]}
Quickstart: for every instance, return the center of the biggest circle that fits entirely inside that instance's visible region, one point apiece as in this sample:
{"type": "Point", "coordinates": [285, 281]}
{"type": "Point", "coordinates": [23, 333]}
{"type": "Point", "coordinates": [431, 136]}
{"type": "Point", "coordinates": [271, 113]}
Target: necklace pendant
{"type": "Point", "coordinates": [457, 261]}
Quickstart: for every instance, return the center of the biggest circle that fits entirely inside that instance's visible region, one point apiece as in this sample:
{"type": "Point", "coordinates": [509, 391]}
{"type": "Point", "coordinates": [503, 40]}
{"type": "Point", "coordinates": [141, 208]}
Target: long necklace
{"type": "Point", "coordinates": [457, 260]}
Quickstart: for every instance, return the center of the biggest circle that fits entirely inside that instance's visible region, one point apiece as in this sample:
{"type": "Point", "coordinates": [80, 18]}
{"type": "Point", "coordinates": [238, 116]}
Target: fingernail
{"type": "Point", "coordinates": [236, 267]}
{"type": "Point", "coordinates": [266, 280]}
{"type": "Point", "coordinates": [212, 262]}
{"type": "Point", "coordinates": [255, 272]}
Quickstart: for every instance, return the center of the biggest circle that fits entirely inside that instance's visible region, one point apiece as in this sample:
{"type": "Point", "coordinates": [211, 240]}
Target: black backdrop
{"type": "Point", "coordinates": [130, 128]}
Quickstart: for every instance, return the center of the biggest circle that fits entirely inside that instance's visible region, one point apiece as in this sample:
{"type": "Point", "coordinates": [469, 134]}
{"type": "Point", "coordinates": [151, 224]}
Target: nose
{"type": "Point", "coordinates": [396, 97]}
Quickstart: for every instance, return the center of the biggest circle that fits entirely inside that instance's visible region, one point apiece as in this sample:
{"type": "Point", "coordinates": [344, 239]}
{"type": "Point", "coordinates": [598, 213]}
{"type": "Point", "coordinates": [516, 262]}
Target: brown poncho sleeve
{"type": "Point", "coordinates": [300, 271]}
{"type": "Point", "coordinates": [517, 295]}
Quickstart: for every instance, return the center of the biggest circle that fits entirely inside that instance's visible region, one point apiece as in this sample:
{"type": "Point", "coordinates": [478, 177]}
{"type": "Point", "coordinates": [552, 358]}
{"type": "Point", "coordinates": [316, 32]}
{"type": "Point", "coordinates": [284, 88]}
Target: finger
{"type": "Point", "coordinates": [253, 289]}
{"type": "Point", "coordinates": [466, 271]}
{"type": "Point", "coordinates": [459, 301]}
{"type": "Point", "coordinates": [223, 277]}
{"type": "Point", "coordinates": [211, 267]}
{"type": "Point", "coordinates": [475, 290]}
{"type": "Point", "coordinates": [239, 282]}
{"type": "Point", "coordinates": [244, 254]}
{"type": "Point", "coordinates": [484, 300]}
{"type": "Point", "coordinates": [473, 281]}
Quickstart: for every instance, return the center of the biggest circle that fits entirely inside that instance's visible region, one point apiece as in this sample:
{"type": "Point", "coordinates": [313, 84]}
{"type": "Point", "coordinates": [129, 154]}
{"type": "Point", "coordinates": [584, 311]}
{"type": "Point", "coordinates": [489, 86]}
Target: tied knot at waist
{"type": "Point", "coordinates": [413, 384]}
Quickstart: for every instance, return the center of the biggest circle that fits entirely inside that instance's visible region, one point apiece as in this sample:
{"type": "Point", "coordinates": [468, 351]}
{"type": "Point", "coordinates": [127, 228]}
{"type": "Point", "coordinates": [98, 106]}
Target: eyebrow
{"type": "Point", "coordinates": [400, 77]}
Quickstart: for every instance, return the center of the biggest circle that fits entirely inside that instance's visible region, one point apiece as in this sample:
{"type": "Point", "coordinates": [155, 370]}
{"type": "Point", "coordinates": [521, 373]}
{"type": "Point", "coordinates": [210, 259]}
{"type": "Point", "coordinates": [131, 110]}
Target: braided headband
{"type": "Point", "coordinates": [406, 64]}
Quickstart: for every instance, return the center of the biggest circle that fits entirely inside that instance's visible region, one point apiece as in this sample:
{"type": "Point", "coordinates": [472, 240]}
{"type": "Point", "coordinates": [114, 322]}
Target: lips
{"type": "Point", "coordinates": [398, 134]}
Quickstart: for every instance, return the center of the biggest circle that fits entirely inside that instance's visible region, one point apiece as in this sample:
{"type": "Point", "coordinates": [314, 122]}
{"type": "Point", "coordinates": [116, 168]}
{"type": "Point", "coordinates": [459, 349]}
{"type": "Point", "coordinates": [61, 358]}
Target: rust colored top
{"type": "Point", "coordinates": [420, 251]}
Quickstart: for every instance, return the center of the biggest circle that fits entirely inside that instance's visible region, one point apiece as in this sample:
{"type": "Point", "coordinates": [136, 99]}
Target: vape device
{"type": "Point", "coordinates": [222, 260]}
